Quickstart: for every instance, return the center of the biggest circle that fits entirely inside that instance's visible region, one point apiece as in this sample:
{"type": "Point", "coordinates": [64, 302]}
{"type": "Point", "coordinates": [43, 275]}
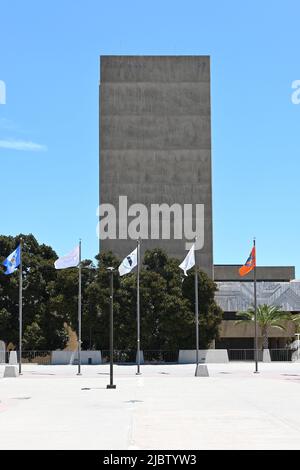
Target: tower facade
{"type": "Point", "coordinates": [155, 143]}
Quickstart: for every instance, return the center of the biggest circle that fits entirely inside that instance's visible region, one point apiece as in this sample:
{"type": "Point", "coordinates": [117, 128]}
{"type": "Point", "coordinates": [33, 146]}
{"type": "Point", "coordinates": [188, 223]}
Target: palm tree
{"type": "Point", "coordinates": [268, 316]}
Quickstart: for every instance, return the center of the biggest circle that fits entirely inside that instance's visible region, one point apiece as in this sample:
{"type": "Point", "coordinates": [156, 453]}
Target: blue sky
{"type": "Point", "coordinates": [49, 62]}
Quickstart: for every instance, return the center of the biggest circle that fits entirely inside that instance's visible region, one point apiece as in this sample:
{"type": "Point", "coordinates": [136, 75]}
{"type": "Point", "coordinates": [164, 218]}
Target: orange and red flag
{"type": "Point", "coordinates": [250, 263]}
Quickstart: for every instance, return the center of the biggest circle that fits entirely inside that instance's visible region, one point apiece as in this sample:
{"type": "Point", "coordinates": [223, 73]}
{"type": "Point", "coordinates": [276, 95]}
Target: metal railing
{"type": "Point", "coordinates": [154, 356]}
{"type": "Point", "coordinates": [243, 355]}
{"type": "Point", "coordinates": [283, 354]}
{"type": "Point", "coordinates": [120, 356]}
{"type": "Point", "coordinates": [36, 357]}
{"type": "Point", "coordinates": [160, 357]}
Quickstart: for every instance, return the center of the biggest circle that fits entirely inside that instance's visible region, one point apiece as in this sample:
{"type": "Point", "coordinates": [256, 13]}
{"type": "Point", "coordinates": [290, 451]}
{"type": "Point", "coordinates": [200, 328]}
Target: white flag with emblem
{"type": "Point", "coordinates": [189, 260]}
{"type": "Point", "coordinates": [128, 263]}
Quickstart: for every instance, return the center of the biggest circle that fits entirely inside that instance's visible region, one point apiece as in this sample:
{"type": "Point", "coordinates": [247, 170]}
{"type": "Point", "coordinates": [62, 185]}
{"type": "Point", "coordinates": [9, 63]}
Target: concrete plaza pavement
{"type": "Point", "coordinates": [167, 407]}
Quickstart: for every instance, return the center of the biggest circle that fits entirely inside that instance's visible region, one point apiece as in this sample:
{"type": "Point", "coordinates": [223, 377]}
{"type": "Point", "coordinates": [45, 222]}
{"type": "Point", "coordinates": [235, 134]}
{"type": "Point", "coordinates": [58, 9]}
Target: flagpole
{"type": "Point", "coordinates": [138, 309]}
{"type": "Point", "coordinates": [79, 311]}
{"type": "Point", "coordinates": [201, 369]}
{"type": "Point", "coordinates": [20, 307]}
{"type": "Point", "coordinates": [196, 310]}
{"type": "Point", "coordinates": [255, 314]}
{"type": "Point", "coordinates": [111, 329]}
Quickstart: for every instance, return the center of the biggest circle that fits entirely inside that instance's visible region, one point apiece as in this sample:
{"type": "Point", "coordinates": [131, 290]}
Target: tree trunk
{"type": "Point", "coordinates": [265, 339]}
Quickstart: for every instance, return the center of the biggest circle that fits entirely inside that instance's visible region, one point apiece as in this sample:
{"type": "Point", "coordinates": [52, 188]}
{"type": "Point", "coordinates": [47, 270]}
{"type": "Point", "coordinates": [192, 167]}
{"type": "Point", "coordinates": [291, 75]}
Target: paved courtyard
{"type": "Point", "coordinates": [50, 407]}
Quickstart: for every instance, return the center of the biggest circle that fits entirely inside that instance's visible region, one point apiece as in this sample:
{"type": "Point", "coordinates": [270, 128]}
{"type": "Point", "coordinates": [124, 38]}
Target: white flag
{"type": "Point", "coordinates": [68, 261]}
{"type": "Point", "coordinates": [128, 263]}
{"type": "Point", "coordinates": [189, 260]}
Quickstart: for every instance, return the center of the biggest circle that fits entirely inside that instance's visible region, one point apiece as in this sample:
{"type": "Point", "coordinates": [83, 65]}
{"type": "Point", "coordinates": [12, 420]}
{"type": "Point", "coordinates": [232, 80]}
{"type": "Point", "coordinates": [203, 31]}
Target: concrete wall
{"type": "Point", "coordinates": [71, 357]}
{"type": "Point", "coordinates": [155, 139]}
{"type": "Point", "coordinates": [2, 352]}
{"type": "Point", "coordinates": [188, 356]}
{"type": "Point", "coordinates": [230, 272]}
{"type": "Point", "coordinates": [229, 329]}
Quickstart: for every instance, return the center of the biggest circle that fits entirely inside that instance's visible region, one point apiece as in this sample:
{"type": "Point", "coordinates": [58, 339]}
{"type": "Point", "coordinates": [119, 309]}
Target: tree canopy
{"type": "Point", "coordinates": [43, 323]}
{"type": "Point", "coordinates": [50, 301]}
{"type": "Point", "coordinates": [268, 316]}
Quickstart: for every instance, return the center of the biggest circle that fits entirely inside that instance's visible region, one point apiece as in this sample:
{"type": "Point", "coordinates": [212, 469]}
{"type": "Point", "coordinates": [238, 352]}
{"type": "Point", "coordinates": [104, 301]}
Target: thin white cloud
{"type": "Point", "coordinates": [22, 145]}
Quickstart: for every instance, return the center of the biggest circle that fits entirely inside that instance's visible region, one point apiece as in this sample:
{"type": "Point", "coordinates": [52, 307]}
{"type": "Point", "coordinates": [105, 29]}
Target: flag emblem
{"type": "Point", "coordinates": [128, 263]}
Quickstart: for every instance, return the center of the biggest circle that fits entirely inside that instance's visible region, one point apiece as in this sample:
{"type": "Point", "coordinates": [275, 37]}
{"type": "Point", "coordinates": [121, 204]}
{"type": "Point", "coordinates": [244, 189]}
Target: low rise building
{"type": "Point", "coordinates": [276, 285]}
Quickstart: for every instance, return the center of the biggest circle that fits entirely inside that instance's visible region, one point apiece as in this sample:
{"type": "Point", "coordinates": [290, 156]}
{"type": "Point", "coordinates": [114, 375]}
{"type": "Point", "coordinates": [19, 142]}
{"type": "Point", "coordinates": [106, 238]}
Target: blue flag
{"type": "Point", "coordinates": [12, 261]}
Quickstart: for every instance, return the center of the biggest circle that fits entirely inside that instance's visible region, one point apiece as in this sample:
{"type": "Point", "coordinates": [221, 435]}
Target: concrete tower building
{"type": "Point", "coordinates": [155, 141]}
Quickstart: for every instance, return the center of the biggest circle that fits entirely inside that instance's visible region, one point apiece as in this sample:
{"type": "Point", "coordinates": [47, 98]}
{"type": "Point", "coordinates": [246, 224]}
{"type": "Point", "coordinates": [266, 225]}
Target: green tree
{"type": "Point", "coordinates": [167, 304]}
{"type": "Point", "coordinates": [174, 318]}
{"type": "Point", "coordinates": [210, 314]}
{"type": "Point", "coordinates": [50, 300]}
{"type": "Point", "coordinates": [268, 316]}
{"type": "Point", "coordinates": [96, 303]}
{"type": "Point", "coordinates": [43, 327]}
